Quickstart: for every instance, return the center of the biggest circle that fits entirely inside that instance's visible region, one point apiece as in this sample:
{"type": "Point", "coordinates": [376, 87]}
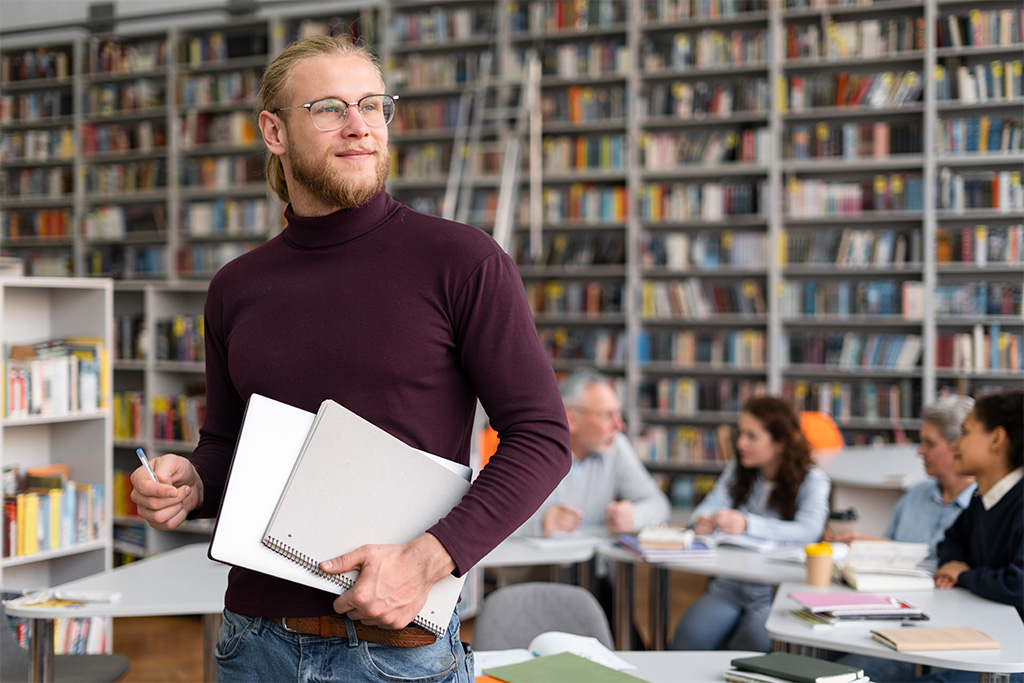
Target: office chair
{"type": "Point", "coordinates": [15, 661]}
{"type": "Point", "coordinates": [512, 616]}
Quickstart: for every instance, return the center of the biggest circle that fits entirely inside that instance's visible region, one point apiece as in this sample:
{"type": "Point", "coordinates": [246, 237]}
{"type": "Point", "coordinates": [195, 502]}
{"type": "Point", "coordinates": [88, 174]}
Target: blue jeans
{"type": "Point", "coordinates": [730, 614]}
{"type": "Point", "coordinates": [255, 649]}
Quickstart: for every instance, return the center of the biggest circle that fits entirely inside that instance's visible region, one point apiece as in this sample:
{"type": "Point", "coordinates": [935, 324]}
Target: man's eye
{"type": "Point", "coordinates": [370, 106]}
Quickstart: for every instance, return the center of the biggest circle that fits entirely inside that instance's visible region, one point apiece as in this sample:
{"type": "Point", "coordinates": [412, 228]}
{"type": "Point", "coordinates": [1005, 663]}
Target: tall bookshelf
{"type": "Point", "coordinates": [816, 198]}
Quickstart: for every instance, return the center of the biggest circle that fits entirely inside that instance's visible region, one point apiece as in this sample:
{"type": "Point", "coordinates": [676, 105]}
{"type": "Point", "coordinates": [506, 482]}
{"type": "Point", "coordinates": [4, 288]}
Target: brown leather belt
{"type": "Point", "coordinates": [330, 626]}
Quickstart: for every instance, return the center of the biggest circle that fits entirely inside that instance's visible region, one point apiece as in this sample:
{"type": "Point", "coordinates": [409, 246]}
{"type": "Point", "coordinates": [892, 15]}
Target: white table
{"type": "Point", "coordinates": [516, 551]}
{"type": "Point", "coordinates": [729, 562]}
{"type": "Point", "coordinates": [871, 479]}
{"type": "Point", "coordinates": [673, 667]}
{"type": "Point", "coordinates": [946, 608]}
{"type": "Point", "coordinates": [179, 581]}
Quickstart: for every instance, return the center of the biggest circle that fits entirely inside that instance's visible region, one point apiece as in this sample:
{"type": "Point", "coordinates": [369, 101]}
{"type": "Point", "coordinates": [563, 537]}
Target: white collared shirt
{"type": "Point", "coordinates": [1000, 488]}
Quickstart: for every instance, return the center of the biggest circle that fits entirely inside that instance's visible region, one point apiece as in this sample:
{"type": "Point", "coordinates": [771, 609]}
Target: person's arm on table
{"type": "Point", "coordinates": [808, 522]}
{"type": "Point", "coordinates": [702, 518]}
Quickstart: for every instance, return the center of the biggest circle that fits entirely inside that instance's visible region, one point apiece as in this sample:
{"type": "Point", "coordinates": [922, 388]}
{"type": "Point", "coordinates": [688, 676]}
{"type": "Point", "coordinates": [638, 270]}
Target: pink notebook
{"type": "Point", "coordinates": [825, 602]}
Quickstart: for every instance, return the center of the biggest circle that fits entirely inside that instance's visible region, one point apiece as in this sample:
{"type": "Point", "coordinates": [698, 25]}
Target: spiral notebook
{"type": "Point", "coordinates": [353, 484]}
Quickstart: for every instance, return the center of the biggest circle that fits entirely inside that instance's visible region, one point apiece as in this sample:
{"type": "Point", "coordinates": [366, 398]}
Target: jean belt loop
{"type": "Point", "coordinates": [350, 627]}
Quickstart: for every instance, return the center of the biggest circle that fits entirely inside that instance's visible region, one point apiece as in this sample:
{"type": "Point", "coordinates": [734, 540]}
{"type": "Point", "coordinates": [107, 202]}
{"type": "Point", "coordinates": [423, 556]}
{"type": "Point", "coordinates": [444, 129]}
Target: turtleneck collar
{"type": "Point", "coordinates": [344, 225]}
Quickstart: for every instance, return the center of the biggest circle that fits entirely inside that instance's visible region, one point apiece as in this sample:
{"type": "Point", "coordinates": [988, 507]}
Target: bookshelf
{"type": "Point", "coordinates": [796, 196]}
{"type": "Point", "coordinates": [61, 531]}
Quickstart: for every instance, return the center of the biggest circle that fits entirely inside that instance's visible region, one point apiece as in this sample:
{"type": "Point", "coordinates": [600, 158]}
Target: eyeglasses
{"type": "Point", "coordinates": [606, 415]}
{"type": "Point", "coordinates": [331, 113]}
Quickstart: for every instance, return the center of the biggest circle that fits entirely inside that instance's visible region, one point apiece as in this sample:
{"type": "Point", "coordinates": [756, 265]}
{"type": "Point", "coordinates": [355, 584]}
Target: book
{"type": "Point", "coordinates": [648, 554]}
{"type": "Point", "coordinates": [564, 666]}
{"type": "Point", "coordinates": [331, 503]}
{"type": "Point", "coordinates": [825, 621]}
{"type": "Point", "coordinates": [886, 566]}
{"type": "Point", "coordinates": [799, 668]}
{"type": "Point", "coordinates": [831, 602]}
{"type": "Point", "coordinates": [888, 579]}
{"type": "Point", "coordinates": [918, 639]}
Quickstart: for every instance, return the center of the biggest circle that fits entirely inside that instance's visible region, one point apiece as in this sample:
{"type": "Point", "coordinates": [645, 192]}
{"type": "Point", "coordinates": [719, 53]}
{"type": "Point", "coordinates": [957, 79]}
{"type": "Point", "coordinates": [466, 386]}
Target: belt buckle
{"type": "Point", "coordinates": [284, 623]}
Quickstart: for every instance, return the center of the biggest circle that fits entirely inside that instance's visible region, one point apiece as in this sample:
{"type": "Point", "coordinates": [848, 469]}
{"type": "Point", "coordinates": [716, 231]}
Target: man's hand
{"type": "Point", "coordinates": [393, 581]}
{"type": "Point", "coordinates": [730, 521]}
{"type": "Point", "coordinates": [618, 516]}
{"type": "Point", "coordinates": [946, 576]}
{"type": "Point", "coordinates": [704, 525]}
{"type": "Point", "coordinates": [560, 518]}
{"type": "Point", "coordinates": [166, 504]}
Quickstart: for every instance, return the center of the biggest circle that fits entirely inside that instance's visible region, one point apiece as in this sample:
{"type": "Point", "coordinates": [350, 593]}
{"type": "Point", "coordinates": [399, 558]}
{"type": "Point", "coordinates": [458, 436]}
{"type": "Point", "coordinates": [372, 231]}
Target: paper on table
{"type": "Point", "coordinates": [553, 642]}
{"type": "Point", "coordinates": [563, 541]}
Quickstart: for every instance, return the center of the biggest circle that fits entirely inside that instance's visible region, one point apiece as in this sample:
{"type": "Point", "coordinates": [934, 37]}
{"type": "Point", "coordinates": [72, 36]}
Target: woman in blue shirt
{"type": "Point", "coordinates": [771, 492]}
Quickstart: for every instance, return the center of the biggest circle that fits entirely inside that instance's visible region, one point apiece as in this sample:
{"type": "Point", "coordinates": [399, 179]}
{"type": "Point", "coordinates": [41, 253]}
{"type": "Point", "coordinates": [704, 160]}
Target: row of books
{"type": "Point", "coordinates": [111, 221]}
{"type": "Point", "coordinates": [231, 128]}
{"type": "Point", "coordinates": [48, 510]}
{"type": "Point", "coordinates": [980, 28]}
{"type": "Point", "coordinates": [704, 250]}
{"type": "Point", "coordinates": [813, 198]}
{"type": "Point", "coordinates": [574, 297]}
{"type": "Point", "coordinates": [55, 377]}
{"type": "Point", "coordinates": [875, 140]}
{"type": "Point", "coordinates": [670, 11]}
{"type": "Point", "coordinates": [686, 396]}
{"type": "Point", "coordinates": [852, 247]}
{"type": "Point", "coordinates": [440, 26]}
{"type": "Point", "coordinates": [709, 349]}
{"type": "Point", "coordinates": [564, 15]}
{"type": "Point", "coordinates": [48, 262]}
{"type": "Point", "coordinates": [983, 297]}
{"type": "Point", "coordinates": [37, 145]}
{"type": "Point", "coordinates": [34, 64]}
{"type": "Point", "coordinates": [178, 418]}
{"type": "Point", "coordinates": [980, 244]}
{"type": "Point", "coordinates": [180, 338]}
{"type": "Point", "coordinates": [578, 104]}
{"type": "Point", "coordinates": [589, 202]}
{"type": "Point", "coordinates": [125, 262]}
{"type": "Point", "coordinates": [119, 138]}
{"type": "Point", "coordinates": [685, 445]}
{"type": "Point", "coordinates": [572, 249]}
{"type": "Point", "coordinates": [71, 635]}
{"type": "Point", "coordinates": [226, 217]}
{"type": "Point", "coordinates": [221, 172]}
{"type": "Point", "coordinates": [434, 114]}
{"type": "Point", "coordinates": [980, 350]}
{"type": "Point", "coordinates": [596, 346]}
{"type": "Point", "coordinates": [862, 39]}
{"type": "Point", "coordinates": [863, 399]}
{"type": "Point", "coordinates": [999, 80]}
{"type": "Point", "coordinates": [663, 151]}
{"type": "Point", "coordinates": [202, 261]}
{"type": "Point", "coordinates": [844, 298]}
{"type": "Point", "coordinates": [110, 99]}
{"type": "Point", "coordinates": [27, 183]}
{"type": "Point", "coordinates": [427, 71]}
{"type": "Point", "coordinates": [886, 89]}
{"type": "Point", "coordinates": [592, 59]}
{"type": "Point", "coordinates": [122, 178]}
{"type": "Point", "coordinates": [217, 47]}
{"type": "Point", "coordinates": [688, 492]}
{"type": "Point", "coordinates": [129, 416]}
{"type": "Point", "coordinates": [985, 134]}
{"type": "Point", "coordinates": [853, 350]}
{"type": "Point", "coordinates": [1001, 191]}
{"type": "Point", "coordinates": [687, 100]}
{"type": "Point", "coordinates": [35, 106]}
{"type": "Point", "coordinates": [706, 49]}
{"type": "Point", "coordinates": [696, 299]}
{"type": "Point", "coordinates": [110, 56]}
{"type": "Point", "coordinates": [42, 224]}
{"type": "Point", "coordinates": [710, 201]}
{"type": "Point", "coordinates": [219, 89]}
{"type": "Point", "coordinates": [568, 153]}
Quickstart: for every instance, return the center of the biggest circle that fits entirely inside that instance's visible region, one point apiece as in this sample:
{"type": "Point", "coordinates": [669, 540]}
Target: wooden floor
{"type": "Point", "coordinates": [169, 649]}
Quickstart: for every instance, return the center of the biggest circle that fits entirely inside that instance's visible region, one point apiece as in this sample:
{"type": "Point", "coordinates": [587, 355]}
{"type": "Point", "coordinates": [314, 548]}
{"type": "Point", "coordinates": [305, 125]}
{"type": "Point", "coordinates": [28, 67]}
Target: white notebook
{"type": "Point", "coordinates": [269, 444]}
{"type": "Point", "coordinates": [353, 484]}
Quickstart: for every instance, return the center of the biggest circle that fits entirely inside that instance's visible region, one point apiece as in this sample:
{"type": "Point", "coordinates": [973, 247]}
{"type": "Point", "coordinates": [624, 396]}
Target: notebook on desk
{"type": "Point", "coordinates": [354, 484]}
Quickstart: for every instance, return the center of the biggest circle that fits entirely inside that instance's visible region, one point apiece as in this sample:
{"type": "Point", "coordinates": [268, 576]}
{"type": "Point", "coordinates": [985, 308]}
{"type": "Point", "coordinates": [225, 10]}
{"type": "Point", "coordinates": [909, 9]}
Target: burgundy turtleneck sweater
{"type": "Point", "coordinates": [405, 319]}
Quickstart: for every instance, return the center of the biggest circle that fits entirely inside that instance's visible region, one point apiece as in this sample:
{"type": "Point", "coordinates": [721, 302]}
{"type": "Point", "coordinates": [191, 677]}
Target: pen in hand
{"type": "Point", "coordinates": [145, 463]}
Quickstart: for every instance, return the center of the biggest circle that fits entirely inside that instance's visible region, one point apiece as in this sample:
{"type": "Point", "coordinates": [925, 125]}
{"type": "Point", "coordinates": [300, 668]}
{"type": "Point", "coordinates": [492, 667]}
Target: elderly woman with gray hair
{"type": "Point", "coordinates": [923, 513]}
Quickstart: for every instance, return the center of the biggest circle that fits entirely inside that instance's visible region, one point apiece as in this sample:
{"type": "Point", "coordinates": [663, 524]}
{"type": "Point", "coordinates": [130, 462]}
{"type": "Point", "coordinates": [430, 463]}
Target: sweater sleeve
{"type": "Point", "coordinates": [719, 498]}
{"type": "Point", "coordinates": [501, 354]}
{"type": "Point", "coordinates": [635, 484]}
{"type": "Point", "coordinates": [811, 514]}
{"type": "Point", "coordinates": [1002, 584]}
{"type": "Point", "coordinates": [955, 546]}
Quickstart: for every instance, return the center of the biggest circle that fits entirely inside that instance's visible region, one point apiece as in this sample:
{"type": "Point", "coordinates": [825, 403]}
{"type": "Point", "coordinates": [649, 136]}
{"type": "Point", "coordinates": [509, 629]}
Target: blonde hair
{"type": "Point", "coordinates": [275, 79]}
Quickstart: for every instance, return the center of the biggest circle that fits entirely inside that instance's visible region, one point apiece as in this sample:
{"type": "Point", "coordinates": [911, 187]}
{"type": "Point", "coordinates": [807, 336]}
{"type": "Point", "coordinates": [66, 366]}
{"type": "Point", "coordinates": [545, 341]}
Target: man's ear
{"type": "Point", "coordinates": [274, 132]}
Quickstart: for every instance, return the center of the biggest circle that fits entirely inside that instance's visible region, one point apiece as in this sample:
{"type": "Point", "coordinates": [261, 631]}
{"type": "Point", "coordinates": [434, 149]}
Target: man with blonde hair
{"type": "Point", "coordinates": [404, 318]}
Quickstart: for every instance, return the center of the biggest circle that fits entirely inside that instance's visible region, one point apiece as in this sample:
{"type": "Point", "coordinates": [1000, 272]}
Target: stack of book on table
{"type": "Point", "coordinates": [665, 544]}
{"type": "Point", "coordinates": [780, 667]}
{"type": "Point", "coordinates": [863, 610]}
{"type": "Point", "coordinates": [887, 566]}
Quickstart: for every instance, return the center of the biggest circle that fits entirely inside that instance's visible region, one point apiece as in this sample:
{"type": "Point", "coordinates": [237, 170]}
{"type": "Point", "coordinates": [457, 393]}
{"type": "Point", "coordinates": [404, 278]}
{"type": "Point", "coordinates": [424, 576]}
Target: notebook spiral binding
{"type": "Point", "coordinates": [312, 565]}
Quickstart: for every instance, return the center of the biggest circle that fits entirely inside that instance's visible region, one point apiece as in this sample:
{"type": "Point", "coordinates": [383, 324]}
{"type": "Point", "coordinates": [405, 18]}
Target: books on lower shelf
{"type": "Point", "coordinates": [784, 666]}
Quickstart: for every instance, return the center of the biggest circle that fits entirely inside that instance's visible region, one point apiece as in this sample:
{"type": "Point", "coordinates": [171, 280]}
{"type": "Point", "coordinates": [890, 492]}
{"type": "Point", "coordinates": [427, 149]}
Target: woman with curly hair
{"type": "Point", "coordinates": [771, 491]}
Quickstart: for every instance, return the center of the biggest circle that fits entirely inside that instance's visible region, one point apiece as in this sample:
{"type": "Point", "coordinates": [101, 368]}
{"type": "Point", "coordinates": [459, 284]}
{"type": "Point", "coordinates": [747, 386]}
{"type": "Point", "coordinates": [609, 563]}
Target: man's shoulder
{"type": "Point", "coordinates": [428, 230]}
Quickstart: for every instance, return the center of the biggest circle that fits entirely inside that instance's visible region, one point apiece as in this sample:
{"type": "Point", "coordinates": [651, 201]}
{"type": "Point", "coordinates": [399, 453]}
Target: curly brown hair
{"type": "Point", "coordinates": [783, 425]}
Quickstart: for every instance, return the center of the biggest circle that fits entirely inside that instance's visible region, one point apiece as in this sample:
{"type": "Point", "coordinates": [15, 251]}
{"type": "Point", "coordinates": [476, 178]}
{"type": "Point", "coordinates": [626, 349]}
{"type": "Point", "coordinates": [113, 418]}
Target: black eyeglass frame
{"type": "Point", "coordinates": [308, 106]}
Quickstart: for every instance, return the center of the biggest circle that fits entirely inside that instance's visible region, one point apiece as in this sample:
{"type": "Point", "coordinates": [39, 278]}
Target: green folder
{"type": "Point", "coordinates": [564, 667]}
